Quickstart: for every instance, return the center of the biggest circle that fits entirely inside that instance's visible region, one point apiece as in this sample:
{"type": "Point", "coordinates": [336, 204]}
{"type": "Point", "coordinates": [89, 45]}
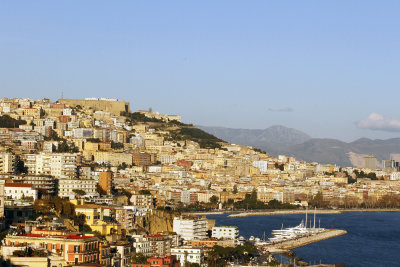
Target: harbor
{"type": "Point", "coordinates": [302, 241]}
{"type": "Point", "coordinates": [284, 239]}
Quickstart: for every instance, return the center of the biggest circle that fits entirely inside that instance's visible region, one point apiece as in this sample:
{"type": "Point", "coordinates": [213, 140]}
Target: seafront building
{"type": "Point", "coordinates": [190, 228]}
{"type": "Point", "coordinates": [225, 232]}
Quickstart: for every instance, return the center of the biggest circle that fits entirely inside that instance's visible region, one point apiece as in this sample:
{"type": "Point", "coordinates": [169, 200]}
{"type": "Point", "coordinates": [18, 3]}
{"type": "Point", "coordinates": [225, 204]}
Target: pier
{"type": "Point", "coordinates": [302, 241]}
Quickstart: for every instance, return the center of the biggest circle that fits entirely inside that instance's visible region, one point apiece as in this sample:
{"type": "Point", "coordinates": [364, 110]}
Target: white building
{"type": "Point", "coordinates": [262, 165]}
{"type": "Point", "coordinates": [67, 111]}
{"type": "Point", "coordinates": [59, 165]}
{"type": "Point", "coordinates": [167, 158]}
{"type": "Point", "coordinates": [49, 123]}
{"type": "Point", "coordinates": [2, 184]}
{"type": "Point", "coordinates": [192, 255]}
{"type": "Point", "coordinates": [395, 176]}
{"type": "Point", "coordinates": [82, 132]}
{"type": "Point", "coordinates": [190, 228]}
{"type": "Point", "coordinates": [73, 124]}
{"type": "Point", "coordinates": [49, 146]}
{"type": "Point", "coordinates": [155, 168]}
{"type": "Point", "coordinates": [19, 191]}
{"type": "Point", "coordinates": [66, 187]}
{"type": "Point", "coordinates": [7, 162]}
{"type": "Point", "coordinates": [225, 232]}
{"type": "Point", "coordinates": [141, 245]}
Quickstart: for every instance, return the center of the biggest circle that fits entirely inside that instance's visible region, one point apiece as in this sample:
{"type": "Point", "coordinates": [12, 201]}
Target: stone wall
{"type": "Point", "coordinates": [114, 107]}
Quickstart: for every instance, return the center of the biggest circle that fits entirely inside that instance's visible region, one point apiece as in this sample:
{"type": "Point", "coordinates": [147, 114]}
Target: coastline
{"type": "Point", "coordinates": [321, 211]}
{"type": "Point", "coordinates": [282, 212]}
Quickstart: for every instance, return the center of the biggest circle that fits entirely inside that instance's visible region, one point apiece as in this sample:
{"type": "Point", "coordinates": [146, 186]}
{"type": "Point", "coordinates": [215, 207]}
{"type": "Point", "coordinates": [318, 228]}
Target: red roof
{"type": "Point", "coordinates": [57, 236]}
{"type": "Point", "coordinates": [17, 185]}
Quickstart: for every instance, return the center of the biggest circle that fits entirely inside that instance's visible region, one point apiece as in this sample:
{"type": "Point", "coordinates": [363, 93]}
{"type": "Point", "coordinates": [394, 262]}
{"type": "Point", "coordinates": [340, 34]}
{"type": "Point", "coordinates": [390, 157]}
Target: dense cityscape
{"type": "Point", "coordinates": [90, 183]}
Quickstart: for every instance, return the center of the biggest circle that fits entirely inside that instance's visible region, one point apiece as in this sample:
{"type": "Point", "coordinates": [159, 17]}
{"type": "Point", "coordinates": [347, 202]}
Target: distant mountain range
{"type": "Point", "coordinates": [277, 140]}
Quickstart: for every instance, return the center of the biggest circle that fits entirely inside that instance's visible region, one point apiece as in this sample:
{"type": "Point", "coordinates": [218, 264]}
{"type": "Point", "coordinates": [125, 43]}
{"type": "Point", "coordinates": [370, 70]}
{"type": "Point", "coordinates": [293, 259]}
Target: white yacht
{"type": "Point", "coordinates": [300, 230]}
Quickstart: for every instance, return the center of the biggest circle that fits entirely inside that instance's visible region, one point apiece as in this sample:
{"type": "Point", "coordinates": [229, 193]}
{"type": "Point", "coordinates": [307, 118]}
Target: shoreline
{"type": "Point", "coordinates": [286, 212]}
{"type": "Point", "coordinates": [321, 211]}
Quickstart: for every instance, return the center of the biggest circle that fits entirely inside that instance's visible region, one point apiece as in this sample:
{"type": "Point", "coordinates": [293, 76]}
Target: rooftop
{"type": "Point", "coordinates": [54, 236]}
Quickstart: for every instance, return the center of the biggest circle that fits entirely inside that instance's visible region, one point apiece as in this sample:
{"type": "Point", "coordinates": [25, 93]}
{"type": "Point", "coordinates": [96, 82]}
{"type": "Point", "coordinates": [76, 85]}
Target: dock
{"type": "Point", "coordinates": [302, 241]}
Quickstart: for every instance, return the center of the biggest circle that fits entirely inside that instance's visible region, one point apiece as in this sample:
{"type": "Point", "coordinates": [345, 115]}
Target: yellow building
{"type": "Point", "coordinates": [94, 218]}
{"type": "Point", "coordinates": [91, 146]}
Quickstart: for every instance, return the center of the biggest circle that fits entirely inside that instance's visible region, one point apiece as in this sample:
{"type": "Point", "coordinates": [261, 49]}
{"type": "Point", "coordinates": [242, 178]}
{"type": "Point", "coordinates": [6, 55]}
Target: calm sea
{"type": "Point", "coordinates": [373, 238]}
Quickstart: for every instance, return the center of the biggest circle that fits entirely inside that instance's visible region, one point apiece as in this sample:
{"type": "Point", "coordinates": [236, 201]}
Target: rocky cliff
{"type": "Point", "coordinates": [155, 222]}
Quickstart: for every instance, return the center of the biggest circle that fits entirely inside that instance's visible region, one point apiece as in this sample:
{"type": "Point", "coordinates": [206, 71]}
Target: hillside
{"type": "Point", "coordinates": [177, 131]}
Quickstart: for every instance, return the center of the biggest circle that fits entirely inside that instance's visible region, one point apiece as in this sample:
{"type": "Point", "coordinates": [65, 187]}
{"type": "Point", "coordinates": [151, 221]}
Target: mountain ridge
{"type": "Point", "coordinates": [278, 139]}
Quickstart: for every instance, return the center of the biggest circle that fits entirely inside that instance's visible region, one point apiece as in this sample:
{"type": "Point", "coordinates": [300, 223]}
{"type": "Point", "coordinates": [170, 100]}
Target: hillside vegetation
{"type": "Point", "coordinates": [8, 122]}
{"type": "Point", "coordinates": [178, 131]}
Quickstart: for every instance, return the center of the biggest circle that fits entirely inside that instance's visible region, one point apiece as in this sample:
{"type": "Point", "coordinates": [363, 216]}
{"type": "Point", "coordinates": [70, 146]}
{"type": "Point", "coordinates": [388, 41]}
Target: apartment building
{"type": "Point", "coordinates": [225, 232]}
{"type": "Point", "coordinates": [142, 200]}
{"type": "Point", "coordinates": [105, 181]}
{"type": "Point", "coordinates": [122, 250]}
{"type": "Point", "coordinates": [2, 183]}
{"type": "Point", "coordinates": [168, 261]}
{"type": "Point", "coordinates": [45, 184]}
{"type": "Point", "coordinates": [66, 187]}
{"type": "Point", "coordinates": [19, 191]}
{"type": "Point", "coordinates": [59, 165]}
{"type": "Point", "coordinates": [190, 228]}
{"type": "Point", "coordinates": [160, 244]}
{"type": "Point", "coordinates": [188, 254]}
{"type": "Point", "coordinates": [142, 159]}
{"type": "Point", "coordinates": [112, 158]}
{"type": "Point", "coordinates": [141, 245]}
{"type": "Point", "coordinates": [75, 249]}
{"type": "Point", "coordinates": [7, 162]}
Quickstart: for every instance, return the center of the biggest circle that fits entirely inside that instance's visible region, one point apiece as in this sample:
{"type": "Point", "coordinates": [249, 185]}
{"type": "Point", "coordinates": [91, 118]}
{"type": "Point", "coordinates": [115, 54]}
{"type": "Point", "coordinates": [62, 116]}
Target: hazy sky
{"type": "Point", "coordinates": [329, 68]}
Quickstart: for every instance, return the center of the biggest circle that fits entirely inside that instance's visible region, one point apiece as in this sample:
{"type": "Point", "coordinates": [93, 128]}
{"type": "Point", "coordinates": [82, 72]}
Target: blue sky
{"type": "Point", "coordinates": [329, 68]}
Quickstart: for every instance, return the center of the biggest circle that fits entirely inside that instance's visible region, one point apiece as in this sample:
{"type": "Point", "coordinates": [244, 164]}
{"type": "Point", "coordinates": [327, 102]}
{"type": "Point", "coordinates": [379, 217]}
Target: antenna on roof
{"type": "Point", "coordinates": [62, 94]}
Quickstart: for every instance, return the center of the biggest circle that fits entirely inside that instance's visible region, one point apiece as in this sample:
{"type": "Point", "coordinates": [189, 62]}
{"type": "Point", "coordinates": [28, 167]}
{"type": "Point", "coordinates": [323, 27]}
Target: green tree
{"type": "Point", "coordinates": [235, 189]}
{"type": "Point", "coordinates": [139, 258]}
{"type": "Point", "coordinates": [214, 199]}
{"type": "Point", "coordinates": [8, 122]}
{"type": "Point", "coordinates": [279, 166]}
{"type": "Point", "coordinates": [79, 192]}
{"type": "Point", "coordinates": [20, 167]}
{"type": "Point", "coordinates": [115, 145]}
{"type": "Point", "coordinates": [145, 192]}
{"type": "Point", "coordinates": [122, 166]}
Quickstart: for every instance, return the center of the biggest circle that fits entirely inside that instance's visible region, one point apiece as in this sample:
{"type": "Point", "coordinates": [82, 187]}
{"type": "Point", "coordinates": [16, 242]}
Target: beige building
{"type": "Point", "coordinates": [2, 198]}
{"type": "Point", "coordinates": [7, 162]}
{"type": "Point", "coordinates": [112, 158]}
{"type": "Point", "coordinates": [59, 165]}
{"type": "Point", "coordinates": [142, 201]}
{"type": "Point", "coordinates": [68, 187]}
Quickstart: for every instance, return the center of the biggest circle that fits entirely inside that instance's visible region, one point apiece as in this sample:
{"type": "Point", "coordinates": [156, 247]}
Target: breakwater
{"type": "Point", "coordinates": [302, 241]}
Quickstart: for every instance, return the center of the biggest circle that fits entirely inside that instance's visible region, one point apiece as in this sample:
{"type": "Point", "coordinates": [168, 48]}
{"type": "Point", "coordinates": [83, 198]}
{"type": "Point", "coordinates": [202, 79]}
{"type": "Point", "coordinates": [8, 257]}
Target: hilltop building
{"type": "Point", "coordinates": [113, 106]}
